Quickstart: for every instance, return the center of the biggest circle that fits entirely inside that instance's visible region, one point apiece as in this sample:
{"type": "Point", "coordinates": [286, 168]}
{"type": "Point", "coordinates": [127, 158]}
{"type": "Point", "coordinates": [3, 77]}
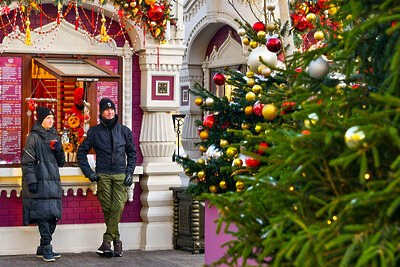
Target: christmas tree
{"type": "Point", "coordinates": [321, 188]}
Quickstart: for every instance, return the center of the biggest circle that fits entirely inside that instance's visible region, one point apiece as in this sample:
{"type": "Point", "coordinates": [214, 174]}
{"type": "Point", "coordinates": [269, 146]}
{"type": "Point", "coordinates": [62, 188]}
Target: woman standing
{"type": "Point", "coordinates": [41, 184]}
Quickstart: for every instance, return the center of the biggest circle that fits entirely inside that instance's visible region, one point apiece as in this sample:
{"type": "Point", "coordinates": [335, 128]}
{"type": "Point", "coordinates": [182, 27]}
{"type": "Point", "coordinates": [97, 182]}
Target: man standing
{"type": "Point", "coordinates": [115, 163]}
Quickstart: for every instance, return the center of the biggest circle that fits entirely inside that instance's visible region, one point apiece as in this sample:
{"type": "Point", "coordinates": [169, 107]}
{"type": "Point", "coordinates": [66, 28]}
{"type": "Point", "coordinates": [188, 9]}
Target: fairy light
{"type": "Point", "coordinates": [329, 222]}
{"type": "Point", "coordinates": [367, 176]}
{"type": "Point", "coordinates": [304, 174]}
{"type": "Point", "coordinates": [334, 218]}
{"type": "Point", "coordinates": [291, 188]}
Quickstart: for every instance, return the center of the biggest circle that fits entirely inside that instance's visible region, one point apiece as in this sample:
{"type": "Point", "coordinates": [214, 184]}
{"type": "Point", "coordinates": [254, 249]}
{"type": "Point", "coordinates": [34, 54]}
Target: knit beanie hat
{"type": "Point", "coordinates": [106, 103]}
{"type": "Point", "coordinates": [42, 113]}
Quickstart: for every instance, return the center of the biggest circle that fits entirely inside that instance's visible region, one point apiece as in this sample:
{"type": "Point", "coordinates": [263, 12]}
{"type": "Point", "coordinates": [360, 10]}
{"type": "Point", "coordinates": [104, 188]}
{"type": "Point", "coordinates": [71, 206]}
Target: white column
{"type": "Point", "coordinates": [285, 17]}
{"type": "Point", "coordinates": [127, 88]}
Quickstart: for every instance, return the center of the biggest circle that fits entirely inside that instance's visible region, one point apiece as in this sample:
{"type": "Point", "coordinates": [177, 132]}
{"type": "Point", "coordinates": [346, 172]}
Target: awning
{"type": "Point", "coordinates": [76, 70]}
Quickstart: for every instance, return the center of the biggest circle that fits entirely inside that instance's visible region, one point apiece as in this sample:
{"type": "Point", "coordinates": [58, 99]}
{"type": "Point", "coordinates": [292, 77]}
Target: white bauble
{"type": "Point", "coordinates": [318, 68]}
{"type": "Point", "coordinates": [241, 32]}
{"type": "Point", "coordinates": [209, 102]}
{"type": "Point", "coordinates": [353, 137]}
{"type": "Point", "coordinates": [268, 57]}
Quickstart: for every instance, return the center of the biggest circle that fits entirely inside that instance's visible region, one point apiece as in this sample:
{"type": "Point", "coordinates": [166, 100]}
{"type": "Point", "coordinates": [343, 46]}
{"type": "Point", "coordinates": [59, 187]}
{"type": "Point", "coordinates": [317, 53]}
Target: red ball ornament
{"type": "Point", "coordinates": [251, 162]}
{"type": "Point", "coordinates": [209, 121]}
{"type": "Point", "coordinates": [262, 148]}
{"type": "Point", "coordinates": [274, 45]}
{"type": "Point", "coordinates": [156, 12]}
{"type": "Point", "coordinates": [257, 108]}
{"type": "Point", "coordinates": [219, 78]}
{"type": "Point", "coordinates": [287, 107]}
{"type": "Point", "coordinates": [300, 22]}
{"type": "Point", "coordinates": [259, 26]}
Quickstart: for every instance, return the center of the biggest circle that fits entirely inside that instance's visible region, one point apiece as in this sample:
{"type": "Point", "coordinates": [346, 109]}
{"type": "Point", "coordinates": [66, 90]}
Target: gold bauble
{"type": "Point", "coordinates": [238, 162]}
{"type": "Point", "coordinates": [245, 126]}
{"type": "Point", "coordinates": [246, 41]}
{"type": "Point", "coordinates": [260, 68]}
{"type": "Point", "coordinates": [248, 110]}
{"type": "Point", "coordinates": [198, 101]}
{"type": "Point", "coordinates": [349, 17]}
{"type": "Point", "coordinates": [258, 128]}
{"type": "Point", "coordinates": [201, 161]}
{"type": "Point", "coordinates": [132, 4]}
{"type": "Point", "coordinates": [261, 35]}
{"type": "Point", "coordinates": [256, 89]}
{"type": "Point", "coordinates": [271, 26]}
{"type": "Point", "coordinates": [222, 184]}
{"type": "Point", "coordinates": [250, 74]}
{"type": "Point", "coordinates": [311, 17]}
{"type": "Point", "coordinates": [188, 172]}
{"type": "Point", "coordinates": [354, 137]}
{"type": "Point", "coordinates": [319, 35]}
{"type": "Point", "coordinates": [239, 185]}
{"type": "Point", "coordinates": [203, 148]}
{"type": "Point", "coordinates": [204, 135]}
{"type": "Point", "coordinates": [332, 10]}
{"type": "Point", "coordinates": [150, 2]}
{"type": "Point", "coordinates": [126, 5]}
{"type": "Point", "coordinates": [213, 188]}
{"type": "Point", "coordinates": [201, 175]}
{"type": "Point", "coordinates": [231, 152]}
{"type": "Point", "coordinates": [253, 44]}
{"type": "Point", "coordinates": [223, 143]}
{"type": "Point", "coordinates": [250, 96]}
{"type": "Point", "coordinates": [270, 112]}
{"type": "Point", "coordinates": [251, 82]}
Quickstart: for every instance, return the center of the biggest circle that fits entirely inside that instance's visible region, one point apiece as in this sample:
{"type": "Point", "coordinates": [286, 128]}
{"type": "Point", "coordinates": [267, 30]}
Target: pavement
{"type": "Point", "coordinates": [136, 258]}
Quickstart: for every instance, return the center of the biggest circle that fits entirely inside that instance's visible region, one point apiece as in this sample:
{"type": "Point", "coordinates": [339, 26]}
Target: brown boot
{"type": "Point", "coordinates": [105, 249]}
{"type": "Point", "coordinates": [117, 248]}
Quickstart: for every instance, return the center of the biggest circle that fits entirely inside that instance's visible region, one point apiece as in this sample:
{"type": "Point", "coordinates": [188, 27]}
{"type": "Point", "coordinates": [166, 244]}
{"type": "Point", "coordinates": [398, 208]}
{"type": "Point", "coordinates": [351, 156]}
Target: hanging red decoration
{"type": "Point", "coordinates": [257, 108]}
{"type": "Point", "coordinates": [31, 104]}
{"type": "Point", "coordinates": [219, 79]}
{"type": "Point", "coordinates": [156, 12]}
{"type": "Point", "coordinates": [209, 121]}
{"type": "Point", "coordinates": [259, 26]}
{"type": "Point", "coordinates": [262, 148]}
{"type": "Point", "coordinates": [252, 162]}
{"type": "Point", "coordinates": [287, 107]}
{"type": "Point", "coordinates": [274, 45]}
{"type": "Point", "coordinates": [300, 22]}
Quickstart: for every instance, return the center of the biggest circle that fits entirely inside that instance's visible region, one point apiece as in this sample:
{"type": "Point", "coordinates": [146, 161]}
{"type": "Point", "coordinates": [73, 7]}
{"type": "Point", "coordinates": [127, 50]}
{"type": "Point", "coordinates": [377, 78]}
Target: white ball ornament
{"type": "Point", "coordinates": [271, 6]}
{"type": "Point", "coordinates": [268, 57]}
{"type": "Point", "coordinates": [353, 137]}
{"type": "Point", "coordinates": [241, 32]}
{"type": "Point", "coordinates": [209, 102]}
{"type": "Point", "coordinates": [318, 68]}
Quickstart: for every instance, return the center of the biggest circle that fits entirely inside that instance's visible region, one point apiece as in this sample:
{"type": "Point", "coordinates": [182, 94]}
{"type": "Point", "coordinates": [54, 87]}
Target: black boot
{"type": "Point", "coordinates": [105, 250]}
{"type": "Point", "coordinates": [39, 253]}
{"type": "Point", "coordinates": [117, 248]}
{"type": "Point", "coordinates": [48, 253]}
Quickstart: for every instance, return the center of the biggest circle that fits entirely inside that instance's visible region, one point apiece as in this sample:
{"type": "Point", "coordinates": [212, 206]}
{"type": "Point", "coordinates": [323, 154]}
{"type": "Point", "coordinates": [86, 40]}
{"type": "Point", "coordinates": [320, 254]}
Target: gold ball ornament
{"type": "Point", "coordinates": [203, 148]}
{"type": "Point", "coordinates": [246, 41]}
{"type": "Point", "coordinates": [150, 2]}
{"type": "Point", "coordinates": [239, 185]}
{"type": "Point", "coordinates": [241, 32]}
{"type": "Point", "coordinates": [245, 126]}
{"type": "Point", "coordinates": [260, 68]}
{"type": "Point", "coordinates": [126, 5]}
{"type": "Point", "coordinates": [313, 119]}
{"type": "Point", "coordinates": [231, 152]}
{"type": "Point", "coordinates": [251, 82]}
{"type": "Point", "coordinates": [266, 72]}
{"type": "Point", "coordinates": [332, 10]}
{"type": "Point", "coordinates": [201, 161]}
{"type": "Point", "coordinates": [188, 172]}
{"type": "Point", "coordinates": [132, 4]}
{"type": "Point", "coordinates": [201, 175]}
{"type": "Point", "coordinates": [311, 17]}
{"type": "Point", "coordinates": [253, 44]}
{"type": "Point", "coordinates": [270, 112]}
{"type": "Point", "coordinates": [222, 184]}
{"type": "Point", "coordinates": [209, 102]}
{"type": "Point", "coordinates": [349, 17]}
{"type": "Point", "coordinates": [248, 110]}
{"type": "Point", "coordinates": [271, 27]}
{"type": "Point", "coordinates": [204, 135]}
{"type": "Point", "coordinates": [213, 189]}
{"type": "Point", "coordinates": [250, 74]}
{"type": "Point", "coordinates": [258, 128]}
{"type": "Point", "coordinates": [256, 89]}
{"type": "Point", "coordinates": [319, 36]}
{"type": "Point", "coordinates": [261, 35]}
{"type": "Point", "coordinates": [354, 137]}
{"type": "Point", "coordinates": [238, 162]}
{"type": "Point", "coordinates": [223, 143]}
{"type": "Point", "coordinates": [250, 96]}
{"type": "Point", "coordinates": [198, 101]}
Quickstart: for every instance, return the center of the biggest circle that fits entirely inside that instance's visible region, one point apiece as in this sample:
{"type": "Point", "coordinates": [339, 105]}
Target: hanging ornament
{"type": "Point", "coordinates": [28, 33]}
{"type": "Point", "coordinates": [268, 57]}
{"type": "Point", "coordinates": [248, 110]}
{"type": "Point", "coordinates": [213, 189]}
{"type": "Point", "coordinates": [266, 72]}
{"type": "Point", "coordinates": [31, 104]}
{"type": "Point", "coordinates": [300, 22]}
{"type": "Point", "coordinates": [287, 107]}
{"type": "Point", "coordinates": [271, 6]}
{"type": "Point", "coordinates": [188, 172]}
{"type": "Point", "coordinates": [241, 32]}
{"type": "Point", "coordinates": [222, 184]}
{"type": "Point", "coordinates": [103, 31]}
{"type": "Point", "coordinates": [201, 161]}
{"type": "Point", "coordinates": [259, 26]}
{"type": "Point", "coordinates": [262, 148]}
{"type": "Point", "coordinates": [318, 68]}
{"type": "Point", "coordinates": [256, 89]}
{"type": "Point", "coordinates": [270, 112]}
{"type": "Point", "coordinates": [150, 2]}
{"type": "Point", "coordinates": [209, 102]}
{"type": "Point", "coordinates": [251, 82]}
{"type": "Point", "coordinates": [245, 126]}
{"type": "Point", "coordinates": [198, 101]}
{"type": "Point", "coordinates": [319, 35]}
{"type": "Point", "coordinates": [353, 137]}
{"type": "Point", "coordinates": [204, 135]}
{"type": "Point", "coordinates": [257, 108]}
{"type": "Point", "coordinates": [261, 35]}
{"type": "Point", "coordinates": [209, 121]}
{"type": "Point", "coordinates": [250, 96]}
{"type": "Point", "coordinates": [252, 162]}
{"type": "Point", "coordinates": [237, 162]}
{"type": "Point", "coordinates": [219, 79]}
{"type": "Point", "coordinates": [311, 17]}
{"type": "Point", "coordinates": [271, 26]}
{"type": "Point", "coordinates": [274, 45]}
{"type": "Point", "coordinates": [253, 44]}
{"type": "Point", "coordinates": [232, 152]}
{"type": "Point", "coordinates": [203, 148]}
{"type": "Point", "coordinates": [246, 41]}
{"type": "Point", "coordinates": [223, 143]}
{"type": "Point", "coordinates": [155, 12]}
{"type": "Point", "coordinates": [312, 120]}
{"type": "Point", "coordinates": [201, 175]}
{"type": "Point", "coordinates": [239, 185]}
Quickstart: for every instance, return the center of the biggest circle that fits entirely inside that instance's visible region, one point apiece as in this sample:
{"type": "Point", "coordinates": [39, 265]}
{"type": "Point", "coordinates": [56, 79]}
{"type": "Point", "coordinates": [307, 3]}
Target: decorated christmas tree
{"type": "Point", "coordinates": [321, 188]}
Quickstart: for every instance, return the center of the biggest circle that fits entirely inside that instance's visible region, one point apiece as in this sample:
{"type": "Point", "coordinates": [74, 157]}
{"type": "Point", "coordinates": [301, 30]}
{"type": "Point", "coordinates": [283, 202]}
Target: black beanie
{"type": "Point", "coordinates": [106, 103]}
{"type": "Point", "coordinates": [42, 113]}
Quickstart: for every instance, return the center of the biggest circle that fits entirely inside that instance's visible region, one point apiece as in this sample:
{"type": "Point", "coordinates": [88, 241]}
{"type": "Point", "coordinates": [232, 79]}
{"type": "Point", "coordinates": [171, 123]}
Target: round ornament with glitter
{"type": "Point", "coordinates": [274, 45]}
{"type": "Point", "coordinates": [259, 26]}
{"type": "Point", "coordinates": [354, 137]}
{"type": "Point", "coordinates": [219, 79]}
{"type": "Point", "coordinates": [155, 12]}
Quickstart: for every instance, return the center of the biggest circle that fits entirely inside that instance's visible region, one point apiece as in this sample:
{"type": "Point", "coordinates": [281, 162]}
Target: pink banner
{"type": "Point", "coordinates": [108, 89]}
{"type": "Point", "coordinates": [10, 109]}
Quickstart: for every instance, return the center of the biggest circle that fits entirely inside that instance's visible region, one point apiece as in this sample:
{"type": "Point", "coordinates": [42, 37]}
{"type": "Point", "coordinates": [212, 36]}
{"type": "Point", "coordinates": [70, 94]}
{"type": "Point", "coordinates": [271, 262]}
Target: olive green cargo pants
{"type": "Point", "coordinates": [112, 194]}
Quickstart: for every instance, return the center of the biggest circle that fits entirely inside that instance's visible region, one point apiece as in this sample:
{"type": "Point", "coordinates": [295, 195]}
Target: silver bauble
{"type": "Point", "coordinates": [209, 102]}
{"type": "Point", "coordinates": [241, 32]}
{"type": "Point", "coordinates": [268, 57]}
{"type": "Point", "coordinates": [354, 137]}
{"type": "Point", "coordinates": [318, 68]}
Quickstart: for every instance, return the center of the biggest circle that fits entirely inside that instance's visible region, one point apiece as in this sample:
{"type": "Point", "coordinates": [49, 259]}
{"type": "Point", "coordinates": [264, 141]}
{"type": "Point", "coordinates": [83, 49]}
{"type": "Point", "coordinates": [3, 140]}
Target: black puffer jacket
{"type": "Point", "coordinates": [40, 165]}
{"type": "Point", "coordinates": [115, 150]}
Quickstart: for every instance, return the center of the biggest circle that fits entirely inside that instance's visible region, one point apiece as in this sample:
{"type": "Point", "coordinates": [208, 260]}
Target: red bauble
{"type": "Point", "coordinates": [219, 78]}
{"type": "Point", "coordinates": [305, 132]}
{"type": "Point", "coordinates": [262, 148]}
{"type": "Point", "coordinates": [274, 45]}
{"type": "Point", "coordinates": [209, 121]}
{"type": "Point", "coordinates": [300, 22]}
{"type": "Point", "coordinates": [259, 26]}
{"type": "Point", "coordinates": [251, 162]}
{"type": "Point", "coordinates": [156, 12]}
{"type": "Point", "coordinates": [257, 108]}
{"type": "Point", "coordinates": [287, 107]}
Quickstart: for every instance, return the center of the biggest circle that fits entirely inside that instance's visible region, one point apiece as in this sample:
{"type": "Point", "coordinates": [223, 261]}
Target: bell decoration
{"type": "Point", "coordinates": [219, 79]}
{"type": "Point", "coordinates": [156, 12]}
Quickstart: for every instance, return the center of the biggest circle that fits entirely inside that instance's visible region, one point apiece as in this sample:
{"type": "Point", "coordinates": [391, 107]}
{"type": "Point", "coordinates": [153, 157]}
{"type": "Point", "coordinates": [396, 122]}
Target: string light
{"type": "Point", "coordinates": [291, 188]}
{"type": "Point", "coordinates": [334, 218]}
{"type": "Point", "coordinates": [329, 222]}
{"type": "Point", "coordinates": [367, 176]}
